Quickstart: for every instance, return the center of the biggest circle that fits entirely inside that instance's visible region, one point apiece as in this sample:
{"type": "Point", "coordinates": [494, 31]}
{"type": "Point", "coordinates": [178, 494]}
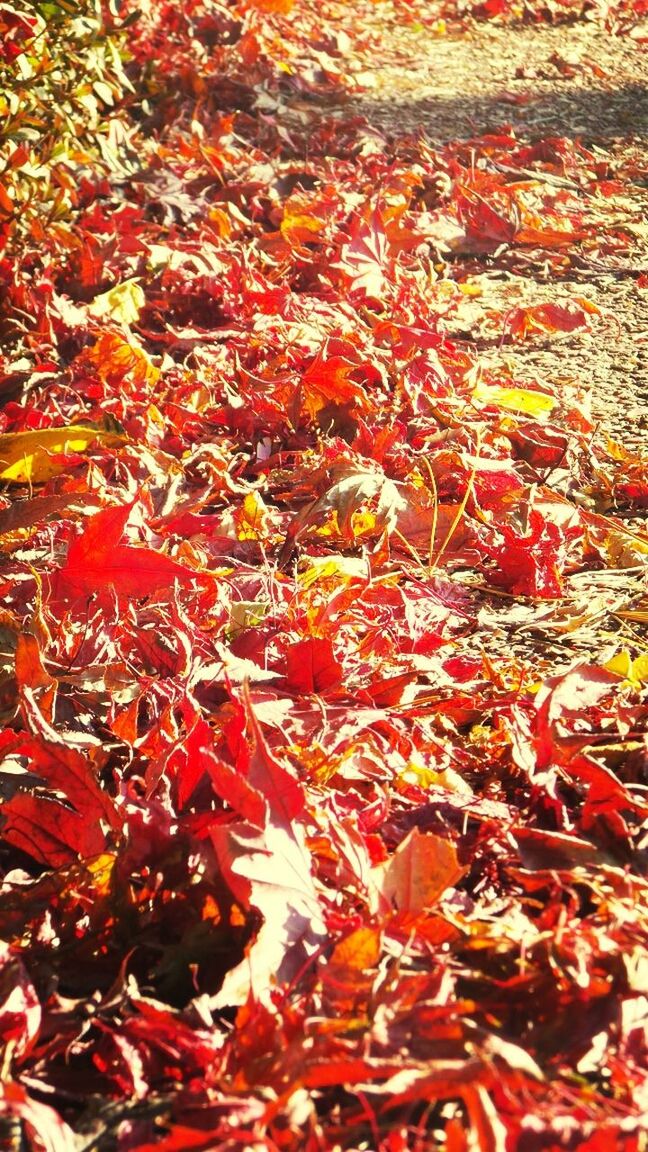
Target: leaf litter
{"type": "Point", "coordinates": [323, 681]}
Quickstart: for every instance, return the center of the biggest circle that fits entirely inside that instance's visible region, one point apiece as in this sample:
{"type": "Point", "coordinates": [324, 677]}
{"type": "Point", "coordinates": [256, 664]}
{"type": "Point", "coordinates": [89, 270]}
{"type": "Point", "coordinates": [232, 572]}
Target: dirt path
{"type": "Point", "coordinates": [574, 81]}
{"type": "Point", "coordinates": [580, 83]}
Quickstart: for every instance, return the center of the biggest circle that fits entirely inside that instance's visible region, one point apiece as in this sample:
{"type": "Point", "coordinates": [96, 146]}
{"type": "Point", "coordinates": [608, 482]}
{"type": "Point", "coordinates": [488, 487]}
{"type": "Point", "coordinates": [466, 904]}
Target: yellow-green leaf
{"type": "Point", "coordinates": [31, 457]}
{"type": "Point", "coordinates": [122, 303]}
{"type": "Point", "coordinates": [515, 399]}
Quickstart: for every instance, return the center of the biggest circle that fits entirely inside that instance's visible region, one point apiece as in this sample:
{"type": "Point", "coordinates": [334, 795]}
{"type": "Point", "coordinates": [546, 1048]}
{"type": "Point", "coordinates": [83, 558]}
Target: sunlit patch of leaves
{"type": "Point", "coordinates": [303, 845]}
{"type": "Point", "coordinates": [61, 81]}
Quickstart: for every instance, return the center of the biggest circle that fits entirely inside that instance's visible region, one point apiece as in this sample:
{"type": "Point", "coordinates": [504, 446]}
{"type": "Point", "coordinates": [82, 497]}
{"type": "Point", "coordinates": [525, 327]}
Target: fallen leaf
{"type": "Point", "coordinates": [516, 399]}
{"type": "Point", "coordinates": [421, 869]}
{"type": "Point", "coordinates": [31, 457]}
{"type": "Point", "coordinates": [312, 666]}
{"type": "Point", "coordinates": [123, 303]}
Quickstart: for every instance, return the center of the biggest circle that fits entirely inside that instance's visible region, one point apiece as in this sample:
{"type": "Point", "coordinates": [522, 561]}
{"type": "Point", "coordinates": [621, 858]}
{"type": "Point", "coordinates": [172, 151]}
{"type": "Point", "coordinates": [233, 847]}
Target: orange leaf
{"type": "Point", "coordinates": [539, 318]}
{"type": "Point", "coordinates": [422, 868]}
{"type": "Point", "coordinates": [327, 380]}
{"type": "Point", "coordinates": [116, 360]}
{"type": "Point", "coordinates": [359, 950]}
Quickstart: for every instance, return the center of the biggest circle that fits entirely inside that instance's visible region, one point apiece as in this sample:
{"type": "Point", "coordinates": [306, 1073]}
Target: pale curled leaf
{"type": "Point", "coordinates": [270, 872]}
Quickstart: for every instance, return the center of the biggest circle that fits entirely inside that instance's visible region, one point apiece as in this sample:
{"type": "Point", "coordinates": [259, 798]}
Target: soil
{"type": "Point", "coordinates": [574, 81]}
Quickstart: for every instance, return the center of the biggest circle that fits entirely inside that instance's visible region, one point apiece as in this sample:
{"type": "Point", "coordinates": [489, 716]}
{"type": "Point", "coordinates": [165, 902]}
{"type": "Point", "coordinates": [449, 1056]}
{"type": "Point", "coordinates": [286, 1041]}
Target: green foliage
{"type": "Point", "coordinates": [61, 83]}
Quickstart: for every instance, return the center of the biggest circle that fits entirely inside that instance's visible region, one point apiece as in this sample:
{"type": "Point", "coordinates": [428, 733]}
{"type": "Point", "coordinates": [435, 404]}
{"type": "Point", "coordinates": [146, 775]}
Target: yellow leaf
{"type": "Point", "coordinates": [299, 228]}
{"type": "Point", "coordinates": [222, 222]}
{"type": "Point", "coordinates": [634, 671]}
{"type": "Point", "coordinates": [122, 303]}
{"type": "Point", "coordinates": [363, 523]}
{"type": "Point", "coordinates": [334, 567]}
{"type": "Point", "coordinates": [620, 664]}
{"type": "Point", "coordinates": [252, 518]}
{"type": "Point", "coordinates": [447, 778]}
{"type": "Point", "coordinates": [101, 869]}
{"type": "Point", "coordinates": [30, 457]}
{"type": "Point", "coordinates": [469, 289]}
{"type": "Point", "coordinates": [514, 399]}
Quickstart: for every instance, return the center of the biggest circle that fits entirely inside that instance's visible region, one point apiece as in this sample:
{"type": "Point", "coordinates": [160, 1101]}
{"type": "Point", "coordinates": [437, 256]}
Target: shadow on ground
{"type": "Point", "coordinates": [592, 115]}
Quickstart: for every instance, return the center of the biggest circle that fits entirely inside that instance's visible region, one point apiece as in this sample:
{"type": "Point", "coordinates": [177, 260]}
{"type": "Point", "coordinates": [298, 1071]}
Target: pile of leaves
{"type": "Point", "coordinates": [305, 843]}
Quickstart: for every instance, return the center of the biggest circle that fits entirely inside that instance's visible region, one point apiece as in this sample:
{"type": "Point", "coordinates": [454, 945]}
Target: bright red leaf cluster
{"type": "Point", "coordinates": [302, 849]}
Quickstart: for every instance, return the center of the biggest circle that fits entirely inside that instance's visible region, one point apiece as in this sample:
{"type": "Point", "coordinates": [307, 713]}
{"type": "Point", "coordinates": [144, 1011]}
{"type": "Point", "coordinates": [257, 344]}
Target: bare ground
{"type": "Point", "coordinates": [574, 81]}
